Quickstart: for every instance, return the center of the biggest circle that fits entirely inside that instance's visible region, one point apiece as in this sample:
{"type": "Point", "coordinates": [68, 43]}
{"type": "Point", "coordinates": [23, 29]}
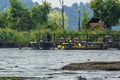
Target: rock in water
{"type": "Point", "coordinates": [107, 66]}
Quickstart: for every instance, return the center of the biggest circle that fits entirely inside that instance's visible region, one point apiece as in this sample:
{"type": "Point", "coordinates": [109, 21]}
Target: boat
{"type": "Point", "coordinates": [97, 45]}
{"type": "Point", "coordinates": [82, 45]}
{"type": "Point", "coordinates": [43, 44]}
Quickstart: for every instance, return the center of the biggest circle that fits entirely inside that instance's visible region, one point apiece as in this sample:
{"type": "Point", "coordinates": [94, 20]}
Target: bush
{"type": "Point", "coordinates": [23, 37]}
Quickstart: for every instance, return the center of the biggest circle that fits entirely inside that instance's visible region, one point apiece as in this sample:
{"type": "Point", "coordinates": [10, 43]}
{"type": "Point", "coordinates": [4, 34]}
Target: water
{"type": "Point", "coordinates": [46, 64]}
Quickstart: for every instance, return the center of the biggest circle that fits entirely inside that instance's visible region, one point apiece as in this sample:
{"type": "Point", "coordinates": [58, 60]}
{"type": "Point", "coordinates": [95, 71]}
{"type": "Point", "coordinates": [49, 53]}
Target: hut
{"type": "Point", "coordinates": [95, 22]}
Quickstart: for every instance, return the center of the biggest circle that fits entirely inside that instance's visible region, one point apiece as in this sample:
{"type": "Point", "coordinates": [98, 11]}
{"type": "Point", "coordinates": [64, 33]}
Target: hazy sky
{"type": "Point", "coordinates": [55, 3]}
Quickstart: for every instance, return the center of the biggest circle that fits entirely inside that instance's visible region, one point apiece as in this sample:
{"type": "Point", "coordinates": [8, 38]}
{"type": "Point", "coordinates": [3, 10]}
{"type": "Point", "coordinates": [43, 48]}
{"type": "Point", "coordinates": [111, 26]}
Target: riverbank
{"type": "Point", "coordinates": [25, 37]}
{"type": "Point", "coordinates": [8, 45]}
{"type": "Point", "coordinates": [107, 66]}
{"type": "Point", "coordinates": [11, 78]}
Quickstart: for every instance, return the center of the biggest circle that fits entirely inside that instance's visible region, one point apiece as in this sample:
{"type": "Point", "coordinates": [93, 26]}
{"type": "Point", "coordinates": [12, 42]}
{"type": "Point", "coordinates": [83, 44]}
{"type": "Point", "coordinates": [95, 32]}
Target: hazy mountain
{"type": "Point", "coordinates": [72, 13]}
{"type": "Point", "coordinates": [5, 3]}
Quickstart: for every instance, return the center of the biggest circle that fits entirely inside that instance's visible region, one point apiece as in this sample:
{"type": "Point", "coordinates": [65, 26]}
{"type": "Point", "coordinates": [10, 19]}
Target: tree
{"type": "Point", "coordinates": [55, 18]}
{"type": "Point", "coordinates": [107, 10]}
{"type": "Point", "coordinates": [19, 18]}
{"type": "Point", "coordinates": [40, 14]}
{"type": "Point", "coordinates": [85, 19]}
{"type": "Point", "coordinates": [3, 19]}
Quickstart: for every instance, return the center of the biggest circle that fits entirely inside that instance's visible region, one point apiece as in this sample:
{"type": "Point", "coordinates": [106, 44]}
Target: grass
{"type": "Point", "coordinates": [11, 78]}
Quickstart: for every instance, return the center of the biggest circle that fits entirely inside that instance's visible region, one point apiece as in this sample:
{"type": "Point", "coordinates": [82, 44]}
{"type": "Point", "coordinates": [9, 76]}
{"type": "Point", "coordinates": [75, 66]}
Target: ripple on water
{"type": "Point", "coordinates": [40, 63]}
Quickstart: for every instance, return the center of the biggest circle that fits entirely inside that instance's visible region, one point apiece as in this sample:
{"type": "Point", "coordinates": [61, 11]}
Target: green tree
{"type": "Point", "coordinates": [3, 19]}
{"type": "Point", "coordinates": [107, 10]}
{"type": "Point", "coordinates": [40, 14]}
{"type": "Point", "coordinates": [55, 18]}
{"type": "Point", "coordinates": [85, 19]}
{"type": "Point", "coordinates": [19, 16]}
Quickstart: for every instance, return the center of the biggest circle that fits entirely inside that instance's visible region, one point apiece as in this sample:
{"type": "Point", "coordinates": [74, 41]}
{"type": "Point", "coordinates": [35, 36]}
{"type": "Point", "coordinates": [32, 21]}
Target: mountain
{"type": "Point", "coordinates": [5, 3]}
{"type": "Point", "coordinates": [72, 13]}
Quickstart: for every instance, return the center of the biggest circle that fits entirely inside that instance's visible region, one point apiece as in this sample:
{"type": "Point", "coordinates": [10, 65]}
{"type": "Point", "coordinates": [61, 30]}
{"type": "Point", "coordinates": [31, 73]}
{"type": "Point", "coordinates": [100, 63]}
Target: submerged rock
{"type": "Point", "coordinates": [107, 66]}
{"type": "Point", "coordinates": [81, 78]}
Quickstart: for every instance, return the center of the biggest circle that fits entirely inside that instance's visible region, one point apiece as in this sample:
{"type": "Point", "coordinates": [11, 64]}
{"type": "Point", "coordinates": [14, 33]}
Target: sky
{"type": "Point", "coordinates": [55, 3]}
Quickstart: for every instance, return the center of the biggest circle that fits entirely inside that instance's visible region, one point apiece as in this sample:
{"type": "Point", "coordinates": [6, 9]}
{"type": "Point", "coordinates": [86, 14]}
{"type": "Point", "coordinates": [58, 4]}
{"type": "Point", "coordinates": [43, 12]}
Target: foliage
{"type": "Point", "coordinates": [19, 18]}
{"type": "Point", "coordinates": [13, 36]}
{"type": "Point", "coordinates": [40, 14]}
{"type": "Point", "coordinates": [55, 20]}
{"type": "Point", "coordinates": [3, 19]}
{"type": "Point", "coordinates": [85, 19]}
{"type": "Point", "coordinates": [11, 78]}
{"type": "Point", "coordinates": [8, 35]}
{"type": "Point", "coordinates": [96, 35]}
{"type": "Point", "coordinates": [107, 10]}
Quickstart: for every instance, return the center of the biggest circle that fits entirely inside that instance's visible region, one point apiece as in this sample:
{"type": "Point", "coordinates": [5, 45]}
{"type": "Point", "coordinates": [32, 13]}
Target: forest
{"type": "Point", "coordinates": [21, 24]}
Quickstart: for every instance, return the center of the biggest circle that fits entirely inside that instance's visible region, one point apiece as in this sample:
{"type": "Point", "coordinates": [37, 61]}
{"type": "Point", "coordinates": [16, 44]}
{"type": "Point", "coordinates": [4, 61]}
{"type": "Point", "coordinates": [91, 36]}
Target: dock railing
{"type": "Point", "coordinates": [81, 37]}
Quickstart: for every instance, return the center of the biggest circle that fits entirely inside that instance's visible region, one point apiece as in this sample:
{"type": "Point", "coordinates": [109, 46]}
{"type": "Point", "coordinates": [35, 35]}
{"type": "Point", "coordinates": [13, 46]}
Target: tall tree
{"type": "Point", "coordinates": [85, 19]}
{"type": "Point", "coordinates": [3, 19]}
{"type": "Point", "coordinates": [107, 10]}
{"type": "Point", "coordinates": [62, 11]}
{"type": "Point", "coordinates": [40, 14]}
{"type": "Point", "coordinates": [19, 16]}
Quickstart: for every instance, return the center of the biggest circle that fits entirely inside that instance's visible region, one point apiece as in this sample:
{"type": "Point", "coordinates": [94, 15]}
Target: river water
{"type": "Point", "coordinates": [46, 64]}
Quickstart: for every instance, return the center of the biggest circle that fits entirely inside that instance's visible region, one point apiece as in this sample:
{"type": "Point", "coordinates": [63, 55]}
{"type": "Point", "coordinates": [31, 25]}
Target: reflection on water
{"type": "Point", "coordinates": [46, 64]}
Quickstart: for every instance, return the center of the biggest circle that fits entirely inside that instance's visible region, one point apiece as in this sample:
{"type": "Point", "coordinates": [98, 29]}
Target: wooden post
{"type": "Point", "coordinates": [62, 5]}
{"type": "Point", "coordinates": [63, 14]}
{"type": "Point", "coordinates": [79, 18]}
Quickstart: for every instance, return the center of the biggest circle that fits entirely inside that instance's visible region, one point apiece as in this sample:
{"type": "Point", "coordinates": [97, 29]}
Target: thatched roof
{"type": "Point", "coordinates": [94, 20]}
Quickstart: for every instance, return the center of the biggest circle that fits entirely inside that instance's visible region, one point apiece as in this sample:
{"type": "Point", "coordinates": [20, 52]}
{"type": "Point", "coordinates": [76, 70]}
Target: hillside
{"type": "Point", "coordinates": [5, 3]}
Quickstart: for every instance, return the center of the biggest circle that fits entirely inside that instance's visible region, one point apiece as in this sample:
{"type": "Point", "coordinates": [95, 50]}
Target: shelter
{"type": "Point", "coordinates": [95, 22]}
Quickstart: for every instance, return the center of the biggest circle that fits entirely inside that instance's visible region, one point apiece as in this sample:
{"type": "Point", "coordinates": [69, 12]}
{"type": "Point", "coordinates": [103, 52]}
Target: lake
{"type": "Point", "coordinates": [46, 64]}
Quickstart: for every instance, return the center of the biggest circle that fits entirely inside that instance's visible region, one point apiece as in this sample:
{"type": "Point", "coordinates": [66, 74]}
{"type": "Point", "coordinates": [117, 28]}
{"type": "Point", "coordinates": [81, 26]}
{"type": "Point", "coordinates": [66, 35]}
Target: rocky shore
{"type": "Point", "coordinates": [107, 66]}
